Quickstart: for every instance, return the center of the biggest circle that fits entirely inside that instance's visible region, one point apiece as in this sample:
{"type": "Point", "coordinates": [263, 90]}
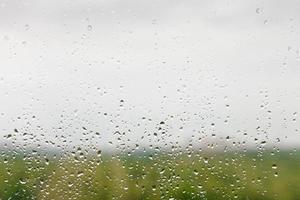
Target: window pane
{"type": "Point", "coordinates": [158, 99]}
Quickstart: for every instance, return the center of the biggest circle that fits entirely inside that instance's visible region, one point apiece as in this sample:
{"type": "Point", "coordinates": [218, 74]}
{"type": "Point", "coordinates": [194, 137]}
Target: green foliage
{"type": "Point", "coordinates": [236, 175]}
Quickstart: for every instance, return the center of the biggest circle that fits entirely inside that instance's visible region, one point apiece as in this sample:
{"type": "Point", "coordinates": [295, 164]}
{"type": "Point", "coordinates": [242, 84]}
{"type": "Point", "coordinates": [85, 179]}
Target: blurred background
{"type": "Point", "coordinates": [151, 99]}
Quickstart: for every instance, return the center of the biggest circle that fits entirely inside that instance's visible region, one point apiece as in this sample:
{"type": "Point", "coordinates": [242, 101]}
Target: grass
{"type": "Point", "coordinates": [236, 175]}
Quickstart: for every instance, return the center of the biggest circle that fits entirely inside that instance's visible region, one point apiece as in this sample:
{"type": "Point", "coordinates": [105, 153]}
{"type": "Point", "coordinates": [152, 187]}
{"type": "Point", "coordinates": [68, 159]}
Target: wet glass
{"type": "Point", "coordinates": [140, 99]}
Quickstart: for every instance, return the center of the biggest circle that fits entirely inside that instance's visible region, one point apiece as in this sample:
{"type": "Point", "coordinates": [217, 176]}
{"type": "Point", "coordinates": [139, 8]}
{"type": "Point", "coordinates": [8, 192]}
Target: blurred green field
{"type": "Point", "coordinates": [236, 175]}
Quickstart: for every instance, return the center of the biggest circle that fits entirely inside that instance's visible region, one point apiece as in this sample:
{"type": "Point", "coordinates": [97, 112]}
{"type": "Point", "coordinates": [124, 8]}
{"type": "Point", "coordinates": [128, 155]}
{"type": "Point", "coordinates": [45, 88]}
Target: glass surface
{"type": "Point", "coordinates": [158, 99]}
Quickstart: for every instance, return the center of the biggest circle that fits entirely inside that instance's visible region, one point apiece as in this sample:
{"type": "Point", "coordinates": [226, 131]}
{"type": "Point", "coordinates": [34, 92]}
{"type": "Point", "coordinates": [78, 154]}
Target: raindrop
{"type": "Point", "coordinates": [89, 27]}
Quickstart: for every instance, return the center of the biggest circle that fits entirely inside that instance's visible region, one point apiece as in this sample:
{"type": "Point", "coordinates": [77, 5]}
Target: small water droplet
{"type": "Point", "coordinates": [89, 27]}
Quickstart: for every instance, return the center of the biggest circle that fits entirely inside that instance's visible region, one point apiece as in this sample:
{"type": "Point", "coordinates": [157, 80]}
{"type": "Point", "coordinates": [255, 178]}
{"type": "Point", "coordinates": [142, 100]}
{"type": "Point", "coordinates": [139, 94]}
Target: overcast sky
{"type": "Point", "coordinates": [69, 69]}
